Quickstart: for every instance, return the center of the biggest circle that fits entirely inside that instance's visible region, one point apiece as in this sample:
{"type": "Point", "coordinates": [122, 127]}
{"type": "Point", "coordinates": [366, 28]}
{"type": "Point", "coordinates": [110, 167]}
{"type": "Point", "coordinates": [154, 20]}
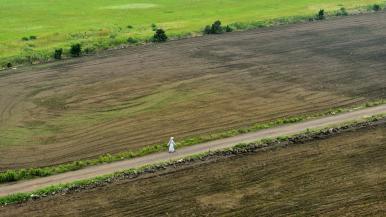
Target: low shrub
{"type": "Point", "coordinates": [228, 29]}
{"type": "Point", "coordinates": [321, 15]}
{"type": "Point", "coordinates": [58, 53]}
{"type": "Point", "coordinates": [376, 7]}
{"type": "Point", "coordinates": [160, 36]}
{"type": "Point", "coordinates": [25, 38]}
{"type": "Point", "coordinates": [342, 12]}
{"type": "Point", "coordinates": [216, 28]}
{"type": "Point", "coordinates": [76, 50]}
{"type": "Point", "coordinates": [129, 26]}
{"type": "Point", "coordinates": [33, 37]}
{"type": "Point", "coordinates": [131, 40]}
{"type": "Point", "coordinates": [89, 49]}
{"type": "Point", "coordinates": [154, 27]}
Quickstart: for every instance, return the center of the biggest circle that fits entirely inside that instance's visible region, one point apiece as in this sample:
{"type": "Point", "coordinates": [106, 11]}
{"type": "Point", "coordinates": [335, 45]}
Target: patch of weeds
{"type": "Point", "coordinates": [75, 50]}
{"type": "Point", "coordinates": [320, 15]}
{"type": "Point", "coordinates": [342, 12]}
{"type": "Point", "coordinates": [58, 53]}
{"type": "Point", "coordinates": [154, 27]}
{"type": "Point", "coordinates": [52, 103]}
{"type": "Point", "coordinates": [132, 40]}
{"type": "Point", "coordinates": [376, 7]}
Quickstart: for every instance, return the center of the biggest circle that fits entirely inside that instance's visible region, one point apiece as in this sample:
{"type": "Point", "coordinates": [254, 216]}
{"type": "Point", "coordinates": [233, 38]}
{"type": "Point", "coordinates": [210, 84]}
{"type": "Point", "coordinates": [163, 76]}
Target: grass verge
{"type": "Point", "coordinates": [29, 173]}
{"type": "Point", "coordinates": [94, 45]}
{"type": "Point", "coordinates": [237, 149]}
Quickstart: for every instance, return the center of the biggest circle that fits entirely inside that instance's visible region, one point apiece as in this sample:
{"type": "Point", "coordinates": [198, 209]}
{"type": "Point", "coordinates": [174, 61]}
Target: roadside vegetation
{"type": "Point", "coordinates": [21, 174]}
{"type": "Point", "coordinates": [39, 41]}
{"type": "Point", "coordinates": [263, 145]}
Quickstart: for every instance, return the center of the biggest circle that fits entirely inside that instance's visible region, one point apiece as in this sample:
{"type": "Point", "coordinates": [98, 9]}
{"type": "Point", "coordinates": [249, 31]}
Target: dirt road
{"type": "Point", "coordinates": [31, 185]}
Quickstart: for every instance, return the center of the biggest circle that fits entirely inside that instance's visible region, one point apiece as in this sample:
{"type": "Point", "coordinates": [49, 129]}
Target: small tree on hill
{"type": "Point", "coordinates": [160, 36]}
{"type": "Point", "coordinates": [75, 50]}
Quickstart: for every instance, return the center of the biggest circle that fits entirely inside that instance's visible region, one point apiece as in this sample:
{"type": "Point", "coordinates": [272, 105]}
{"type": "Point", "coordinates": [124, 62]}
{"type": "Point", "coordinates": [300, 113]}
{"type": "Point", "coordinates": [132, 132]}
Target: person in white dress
{"type": "Point", "coordinates": [171, 145]}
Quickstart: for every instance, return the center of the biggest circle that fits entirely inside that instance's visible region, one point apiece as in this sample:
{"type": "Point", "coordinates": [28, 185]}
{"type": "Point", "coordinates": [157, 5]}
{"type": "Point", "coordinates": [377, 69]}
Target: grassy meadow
{"type": "Point", "coordinates": [103, 23]}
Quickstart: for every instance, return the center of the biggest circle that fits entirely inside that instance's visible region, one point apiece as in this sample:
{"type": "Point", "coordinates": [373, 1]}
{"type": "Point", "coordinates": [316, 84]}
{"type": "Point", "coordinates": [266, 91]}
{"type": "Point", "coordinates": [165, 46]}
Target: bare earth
{"type": "Point", "coordinates": [131, 98]}
{"type": "Point", "coordinates": [342, 175]}
{"type": "Point", "coordinates": [31, 185]}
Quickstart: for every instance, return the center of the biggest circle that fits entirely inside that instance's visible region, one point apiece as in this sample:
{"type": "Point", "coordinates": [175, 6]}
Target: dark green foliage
{"type": "Point", "coordinates": [321, 15]}
{"type": "Point", "coordinates": [32, 37]}
{"type": "Point", "coordinates": [216, 28]}
{"type": "Point", "coordinates": [342, 12]}
{"type": "Point", "coordinates": [228, 29]}
{"type": "Point", "coordinates": [154, 27]}
{"type": "Point", "coordinates": [376, 7]}
{"type": "Point", "coordinates": [129, 26]}
{"type": "Point", "coordinates": [58, 53]}
{"type": "Point", "coordinates": [76, 50]}
{"type": "Point", "coordinates": [131, 40]}
{"type": "Point", "coordinates": [9, 65]}
{"type": "Point", "coordinates": [160, 36]}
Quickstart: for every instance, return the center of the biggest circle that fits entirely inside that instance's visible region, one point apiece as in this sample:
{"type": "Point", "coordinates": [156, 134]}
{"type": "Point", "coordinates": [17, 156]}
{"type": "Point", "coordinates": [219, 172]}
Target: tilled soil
{"type": "Point", "coordinates": [335, 176]}
{"type": "Point", "coordinates": [130, 98]}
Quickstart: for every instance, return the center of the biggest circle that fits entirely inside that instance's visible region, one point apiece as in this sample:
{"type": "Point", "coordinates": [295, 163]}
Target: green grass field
{"type": "Point", "coordinates": [104, 23]}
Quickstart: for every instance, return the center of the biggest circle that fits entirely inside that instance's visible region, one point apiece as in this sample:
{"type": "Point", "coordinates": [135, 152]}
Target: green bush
{"type": "Point", "coordinates": [76, 50]}
{"type": "Point", "coordinates": [342, 12]}
{"type": "Point", "coordinates": [376, 7]}
{"type": "Point", "coordinates": [25, 38]}
{"type": "Point", "coordinates": [129, 26]}
{"type": "Point", "coordinates": [154, 27]}
{"type": "Point", "coordinates": [216, 28]}
{"type": "Point", "coordinates": [33, 37]}
{"type": "Point", "coordinates": [131, 40]}
{"type": "Point", "coordinates": [228, 29]}
{"type": "Point", "coordinates": [58, 53]}
{"type": "Point", "coordinates": [321, 15]}
{"type": "Point", "coordinates": [160, 36]}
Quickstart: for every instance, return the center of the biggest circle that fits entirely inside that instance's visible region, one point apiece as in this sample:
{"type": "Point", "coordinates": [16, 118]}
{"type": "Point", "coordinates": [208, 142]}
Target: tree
{"type": "Point", "coordinates": [75, 50]}
{"type": "Point", "coordinates": [160, 36]}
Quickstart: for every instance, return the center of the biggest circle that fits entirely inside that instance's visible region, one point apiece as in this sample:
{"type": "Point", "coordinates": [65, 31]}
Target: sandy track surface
{"type": "Point", "coordinates": [31, 185]}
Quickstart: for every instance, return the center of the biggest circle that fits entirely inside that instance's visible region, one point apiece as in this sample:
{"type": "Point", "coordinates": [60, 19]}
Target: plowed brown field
{"type": "Point", "coordinates": [140, 96]}
{"type": "Point", "coordinates": [343, 175]}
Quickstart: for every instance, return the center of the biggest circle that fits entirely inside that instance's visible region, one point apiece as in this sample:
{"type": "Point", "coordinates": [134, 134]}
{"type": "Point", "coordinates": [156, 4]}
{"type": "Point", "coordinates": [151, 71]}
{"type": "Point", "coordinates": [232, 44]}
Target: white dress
{"type": "Point", "coordinates": [171, 145]}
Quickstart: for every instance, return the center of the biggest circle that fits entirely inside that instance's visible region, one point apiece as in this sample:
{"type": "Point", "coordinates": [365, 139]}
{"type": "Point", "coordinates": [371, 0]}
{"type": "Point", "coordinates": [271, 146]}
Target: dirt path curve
{"type": "Point", "coordinates": [31, 185]}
